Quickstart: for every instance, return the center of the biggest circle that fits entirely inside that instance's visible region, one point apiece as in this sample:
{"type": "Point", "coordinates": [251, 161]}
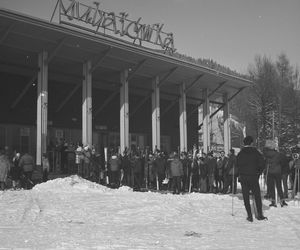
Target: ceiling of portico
{"type": "Point", "coordinates": [23, 37]}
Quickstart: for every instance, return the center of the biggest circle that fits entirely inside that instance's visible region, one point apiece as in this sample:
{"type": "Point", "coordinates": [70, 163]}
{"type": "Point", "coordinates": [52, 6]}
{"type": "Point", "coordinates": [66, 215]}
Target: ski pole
{"type": "Point", "coordinates": [232, 189]}
{"type": "Point", "coordinates": [106, 167]}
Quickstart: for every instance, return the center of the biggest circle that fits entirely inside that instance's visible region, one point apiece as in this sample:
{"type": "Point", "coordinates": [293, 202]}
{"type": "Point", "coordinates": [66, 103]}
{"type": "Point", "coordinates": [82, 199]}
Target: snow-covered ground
{"type": "Point", "coordinates": [72, 213]}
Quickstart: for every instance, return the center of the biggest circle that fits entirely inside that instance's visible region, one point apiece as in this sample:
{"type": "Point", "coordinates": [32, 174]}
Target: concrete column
{"type": "Point", "coordinates": [206, 120]}
{"type": "Point", "coordinates": [124, 111]}
{"type": "Point", "coordinates": [87, 129]}
{"type": "Point", "coordinates": [155, 114]}
{"type": "Point", "coordinates": [42, 107]}
{"type": "Point", "coordinates": [182, 119]}
{"type": "Point", "coordinates": [200, 121]}
{"type": "Point", "coordinates": [226, 117]}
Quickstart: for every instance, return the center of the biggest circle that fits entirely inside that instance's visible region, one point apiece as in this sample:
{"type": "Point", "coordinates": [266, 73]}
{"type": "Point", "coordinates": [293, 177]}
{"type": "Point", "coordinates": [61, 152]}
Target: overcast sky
{"type": "Point", "coordinates": [230, 32]}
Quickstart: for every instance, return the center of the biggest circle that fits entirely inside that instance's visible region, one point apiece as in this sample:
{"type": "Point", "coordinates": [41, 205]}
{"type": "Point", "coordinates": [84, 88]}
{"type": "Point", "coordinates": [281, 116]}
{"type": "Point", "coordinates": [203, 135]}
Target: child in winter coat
{"type": "Point", "coordinates": [45, 166]}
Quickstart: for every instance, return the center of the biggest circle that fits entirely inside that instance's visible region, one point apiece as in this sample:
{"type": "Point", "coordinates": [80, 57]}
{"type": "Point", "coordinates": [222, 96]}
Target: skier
{"type": "Point", "coordinates": [211, 168]}
{"type": "Point", "coordinates": [230, 174]}
{"type": "Point", "coordinates": [79, 158]}
{"type": "Point", "coordinates": [295, 166]}
{"type": "Point", "coordinates": [125, 165]}
{"type": "Point", "coordinates": [115, 163]}
{"type": "Point", "coordinates": [274, 161]}
{"type": "Point", "coordinates": [137, 168]}
{"type": "Point", "coordinates": [221, 165]}
{"type": "Point", "coordinates": [250, 164]}
{"type": "Point", "coordinates": [46, 167]}
{"type": "Point", "coordinates": [185, 163]}
{"type": "Point", "coordinates": [159, 168]}
{"type": "Point", "coordinates": [176, 172]}
{"type": "Point", "coordinates": [27, 164]}
{"type": "Point", "coordinates": [203, 169]}
{"type": "Point", "coordinates": [86, 161]}
{"type": "Point", "coordinates": [285, 171]}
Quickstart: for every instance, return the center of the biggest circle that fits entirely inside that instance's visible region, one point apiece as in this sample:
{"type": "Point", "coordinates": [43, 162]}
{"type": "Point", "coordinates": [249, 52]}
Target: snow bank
{"type": "Point", "coordinates": [70, 184]}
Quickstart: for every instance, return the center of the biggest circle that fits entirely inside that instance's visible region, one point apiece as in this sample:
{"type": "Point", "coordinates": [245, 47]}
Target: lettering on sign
{"type": "Point", "coordinates": [94, 19]}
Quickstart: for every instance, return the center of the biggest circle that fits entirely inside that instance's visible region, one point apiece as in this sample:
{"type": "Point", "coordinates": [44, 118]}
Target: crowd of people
{"type": "Point", "coordinates": [179, 172]}
{"type": "Point", "coordinates": [19, 169]}
{"type": "Point", "coordinates": [144, 169]}
{"type": "Point", "coordinates": [192, 171]}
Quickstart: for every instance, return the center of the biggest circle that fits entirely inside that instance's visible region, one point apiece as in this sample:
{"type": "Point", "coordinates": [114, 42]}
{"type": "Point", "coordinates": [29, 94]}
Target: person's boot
{"type": "Point", "coordinates": [261, 217]}
{"type": "Point", "coordinates": [283, 203]}
{"type": "Point", "coordinates": [250, 218]}
{"type": "Point", "coordinates": [273, 204]}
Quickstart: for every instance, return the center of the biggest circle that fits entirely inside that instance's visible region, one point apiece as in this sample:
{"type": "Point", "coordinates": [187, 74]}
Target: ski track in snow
{"type": "Point", "coordinates": [72, 213]}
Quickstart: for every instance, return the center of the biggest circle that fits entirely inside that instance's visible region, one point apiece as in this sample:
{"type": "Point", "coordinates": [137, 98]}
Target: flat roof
{"type": "Point", "coordinates": [22, 37]}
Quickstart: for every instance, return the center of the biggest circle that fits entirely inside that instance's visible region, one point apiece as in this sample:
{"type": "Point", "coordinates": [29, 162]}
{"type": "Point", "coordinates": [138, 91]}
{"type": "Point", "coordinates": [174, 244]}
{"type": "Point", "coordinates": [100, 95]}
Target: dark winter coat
{"type": "Point", "coordinates": [137, 165]}
{"type": "Point", "coordinates": [203, 168]}
{"type": "Point", "coordinates": [273, 158]}
{"type": "Point", "coordinates": [125, 163]}
{"type": "Point", "coordinates": [195, 167]}
{"type": "Point", "coordinates": [250, 162]}
{"type": "Point", "coordinates": [27, 163]}
{"type": "Point", "coordinates": [284, 162]}
{"type": "Point", "coordinates": [15, 173]}
{"type": "Point", "coordinates": [176, 168]}
{"type": "Point", "coordinates": [211, 166]}
{"type": "Point", "coordinates": [221, 165]}
{"type": "Point", "coordinates": [231, 166]}
{"type": "Point", "coordinates": [114, 163]}
{"type": "Point", "coordinates": [159, 166]}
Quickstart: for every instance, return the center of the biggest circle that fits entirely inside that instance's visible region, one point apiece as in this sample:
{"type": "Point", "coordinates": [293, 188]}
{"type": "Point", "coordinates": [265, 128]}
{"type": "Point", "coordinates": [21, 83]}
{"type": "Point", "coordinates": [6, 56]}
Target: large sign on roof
{"type": "Point", "coordinates": [94, 19]}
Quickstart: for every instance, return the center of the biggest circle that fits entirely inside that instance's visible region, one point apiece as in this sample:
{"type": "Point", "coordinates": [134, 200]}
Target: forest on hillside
{"type": "Point", "coordinates": [270, 109]}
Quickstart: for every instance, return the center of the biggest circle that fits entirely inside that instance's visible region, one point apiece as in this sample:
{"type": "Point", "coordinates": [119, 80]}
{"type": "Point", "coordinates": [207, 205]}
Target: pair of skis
{"type": "Point", "coordinates": [106, 166]}
{"type": "Point", "coordinates": [192, 167]}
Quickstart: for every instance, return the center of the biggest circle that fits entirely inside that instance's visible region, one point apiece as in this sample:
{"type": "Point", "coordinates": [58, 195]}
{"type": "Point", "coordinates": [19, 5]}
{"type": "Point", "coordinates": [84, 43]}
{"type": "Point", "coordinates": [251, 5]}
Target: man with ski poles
{"type": "Point", "coordinates": [274, 161]}
{"type": "Point", "coordinates": [250, 164]}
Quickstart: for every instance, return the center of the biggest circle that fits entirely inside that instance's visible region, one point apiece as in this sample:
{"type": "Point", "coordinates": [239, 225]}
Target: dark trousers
{"type": "Point", "coordinates": [219, 183]}
{"type": "Point", "coordinates": [185, 182]}
{"type": "Point", "coordinates": [127, 179]}
{"type": "Point", "coordinates": [274, 179]}
{"type": "Point", "coordinates": [284, 178]}
{"type": "Point", "coordinates": [28, 180]}
{"type": "Point", "coordinates": [211, 180]}
{"type": "Point", "coordinates": [176, 184]}
{"type": "Point", "coordinates": [115, 177]}
{"type": "Point", "coordinates": [227, 181]}
{"type": "Point", "coordinates": [195, 181]}
{"type": "Point", "coordinates": [203, 184]}
{"type": "Point", "coordinates": [232, 183]}
{"type": "Point", "coordinates": [250, 183]}
{"type": "Point", "coordinates": [138, 178]}
{"type": "Point", "coordinates": [45, 175]}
